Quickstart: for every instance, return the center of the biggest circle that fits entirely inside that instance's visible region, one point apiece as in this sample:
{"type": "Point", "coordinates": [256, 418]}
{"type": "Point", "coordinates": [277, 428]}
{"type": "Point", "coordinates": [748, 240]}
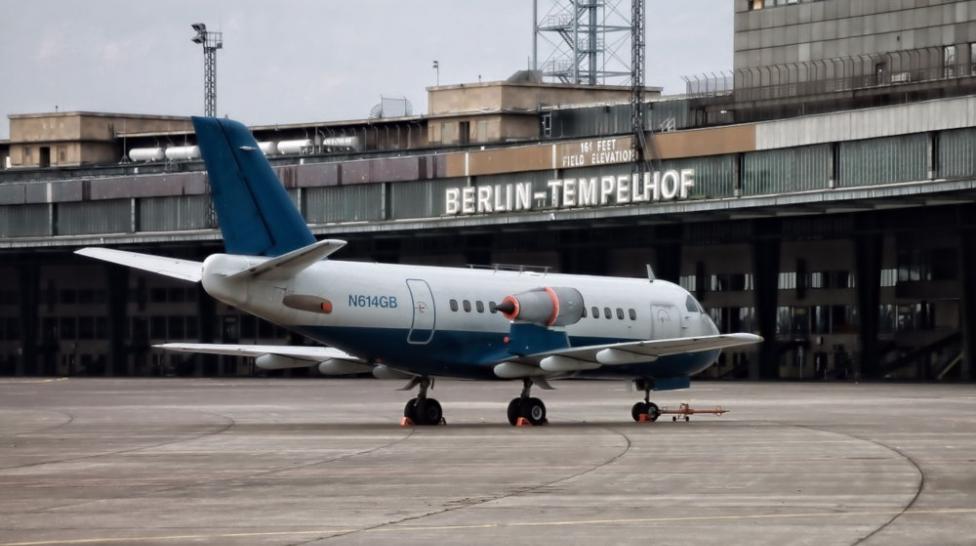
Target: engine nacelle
{"type": "Point", "coordinates": [279, 362]}
{"type": "Point", "coordinates": [546, 306]}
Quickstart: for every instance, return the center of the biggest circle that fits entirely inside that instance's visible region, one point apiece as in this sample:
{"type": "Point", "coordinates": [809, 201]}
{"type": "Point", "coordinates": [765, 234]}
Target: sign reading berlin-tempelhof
{"type": "Point", "coordinates": [570, 193]}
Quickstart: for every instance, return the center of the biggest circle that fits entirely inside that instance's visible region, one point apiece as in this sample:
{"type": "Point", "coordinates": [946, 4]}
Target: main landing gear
{"type": "Point", "coordinates": [645, 410]}
{"type": "Point", "coordinates": [531, 409]}
{"type": "Point", "coordinates": [422, 410]}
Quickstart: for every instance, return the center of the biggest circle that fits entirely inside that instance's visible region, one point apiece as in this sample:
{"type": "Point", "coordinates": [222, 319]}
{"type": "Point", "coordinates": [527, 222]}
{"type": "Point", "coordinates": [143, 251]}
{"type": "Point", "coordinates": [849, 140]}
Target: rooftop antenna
{"type": "Point", "coordinates": [211, 42]}
{"type": "Point", "coordinates": [437, 72]}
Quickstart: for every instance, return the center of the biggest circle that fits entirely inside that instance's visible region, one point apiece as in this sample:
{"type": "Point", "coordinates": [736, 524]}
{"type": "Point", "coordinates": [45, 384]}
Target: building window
{"type": "Point", "coordinates": [454, 305]}
{"type": "Point", "coordinates": [972, 58]}
{"type": "Point", "coordinates": [949, 61]}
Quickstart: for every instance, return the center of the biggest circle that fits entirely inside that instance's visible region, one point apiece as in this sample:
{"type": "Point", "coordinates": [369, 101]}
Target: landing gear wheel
{"type": "Point", "coordinates": [534, 410]}
{"type": "Point", "coordinates": [514, 411]}
{"type": "Point", "coordinates": [637, 410]}
{"type": "Point", "coordinates": [410, 410]}
{"type": "Point", "coordinates": [429, 412]}
{"type": "Point", "coordinates": [653, 412]}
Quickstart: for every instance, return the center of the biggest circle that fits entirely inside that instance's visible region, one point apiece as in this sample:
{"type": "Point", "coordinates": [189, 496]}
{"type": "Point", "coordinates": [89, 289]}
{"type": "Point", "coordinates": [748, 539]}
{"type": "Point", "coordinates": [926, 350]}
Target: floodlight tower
{"type": "Point", "coordinates": [211, 42]}
{"type": "Point", "coordinates": [637, 38]}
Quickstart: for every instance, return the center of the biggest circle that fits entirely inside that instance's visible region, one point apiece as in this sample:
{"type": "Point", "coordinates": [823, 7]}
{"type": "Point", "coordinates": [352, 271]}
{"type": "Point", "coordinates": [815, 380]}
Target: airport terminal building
{"type": "Point", "coordinates": [826, 200]}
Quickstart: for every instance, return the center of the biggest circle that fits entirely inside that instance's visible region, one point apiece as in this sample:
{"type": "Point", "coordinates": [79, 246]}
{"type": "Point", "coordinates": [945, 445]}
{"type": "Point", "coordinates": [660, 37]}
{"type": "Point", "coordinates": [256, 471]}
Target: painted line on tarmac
{"type": "Point", "coordinates": [461, 527]}
{"type": "Point", "coordinates": [32, 381]}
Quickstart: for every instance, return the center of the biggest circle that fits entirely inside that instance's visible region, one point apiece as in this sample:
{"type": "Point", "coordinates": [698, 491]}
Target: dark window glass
{"type": "Point", "coordinates": [493, 307]}
{"type": "Point", "coordinates": [177, 294]}
{"type": "Point", "coordinates": [86, 296]}
{"type": "Point", "coordinates": [620, 314]}
{"type": "Point", "coordinates": [633, 314]}
{"type": "Point", "coordinates": [49, 326]}
{"type": "Point", "coordinates": [157, 295]}
{"type": "Point", "coordinates": [68, 328]}
{"type": "Point", "coordinates": [691, 304]}
{"type": "Point", "coordinates": [157, 327]}
{"type": "Point", "coordinates": [607, 313]}
{"type": "Point", "coordinates": [467, 306]}
{"type": "Point", "coordinates": [479, 306]}
{"type": "Point", "coordinates": [454, 305]}
{"type": "Point", "coordinates": [191, 328]}
{"type": "Point", "coordinates": [176, 330]}
{"type": "Point", "coordinates": [101, 328]}
{"type": "Point", "coordinates": [86, 327]}
{"type": "Point", "coordinates": [266, 329]}
{"type": "Point", "coordinates": [596, 312]}
{"type": "Point", "coordinates": [248, 327]}
{"type": "Point", "coordinates": [584, 311]}
{"type": "Point", "coordinates": [68, 296]}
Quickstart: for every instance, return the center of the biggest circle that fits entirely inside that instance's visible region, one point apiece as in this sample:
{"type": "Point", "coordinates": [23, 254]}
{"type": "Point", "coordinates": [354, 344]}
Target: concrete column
{"type": "Point", "coordinates": [29, 290]}
{"type": "Point", "coordinates": [967, 302]}
{"type": "Point", "coordinates": [765, 266]}
{"type": "Point", "coordinates": [867, 259]}
{"type": "Point", "coordinates": [117, 278]}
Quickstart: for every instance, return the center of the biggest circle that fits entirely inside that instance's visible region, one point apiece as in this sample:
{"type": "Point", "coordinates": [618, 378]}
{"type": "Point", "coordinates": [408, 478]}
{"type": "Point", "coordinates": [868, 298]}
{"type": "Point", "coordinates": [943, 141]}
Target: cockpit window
{"type": "Point", "coordinates": [692, 305]}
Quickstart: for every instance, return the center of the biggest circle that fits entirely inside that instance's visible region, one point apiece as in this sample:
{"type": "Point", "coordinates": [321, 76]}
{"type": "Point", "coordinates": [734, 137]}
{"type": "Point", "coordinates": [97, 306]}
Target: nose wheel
{"type": "Point", "coordinates": [525, 406]}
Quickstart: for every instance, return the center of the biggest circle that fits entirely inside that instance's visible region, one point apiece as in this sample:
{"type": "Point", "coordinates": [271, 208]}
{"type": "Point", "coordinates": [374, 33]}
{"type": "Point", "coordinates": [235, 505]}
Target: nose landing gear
{"type": "Point", "coordinates": [532, 409]}
{"type": "Point", "coordinates": [645, 410]}
{"type": "Point", "coordinates": [423, 410]}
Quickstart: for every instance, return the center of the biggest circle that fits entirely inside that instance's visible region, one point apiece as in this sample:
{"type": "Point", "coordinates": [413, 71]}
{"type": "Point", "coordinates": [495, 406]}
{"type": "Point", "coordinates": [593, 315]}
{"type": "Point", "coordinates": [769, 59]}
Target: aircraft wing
{"type": "Point", "coordinates": [185, 270]}
{"type": "Point", "coordinates": [311, 353]}
{"type": "Point", "coordinates": [632, 352]}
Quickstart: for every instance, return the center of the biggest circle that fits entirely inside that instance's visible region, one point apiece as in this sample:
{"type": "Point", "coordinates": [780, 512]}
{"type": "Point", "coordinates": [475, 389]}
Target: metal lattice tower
{"type": "Point", "coordinates": [637, 39]}
{"type": "Point", "coordinates": [211, 42]}
{"type": "Point", "coordinates": [583, 41]}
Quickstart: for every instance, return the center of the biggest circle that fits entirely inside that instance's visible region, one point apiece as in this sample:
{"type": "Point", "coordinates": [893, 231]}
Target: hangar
{"type": "Point", "coordinates": [825, 200]}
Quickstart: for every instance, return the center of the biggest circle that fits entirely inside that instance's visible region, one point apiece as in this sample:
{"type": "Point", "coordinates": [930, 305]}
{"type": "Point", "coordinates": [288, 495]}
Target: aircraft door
{"type": "Point", "coordinates": [665, 322]}
{"type": "Point", "coordinates": [424, 317]}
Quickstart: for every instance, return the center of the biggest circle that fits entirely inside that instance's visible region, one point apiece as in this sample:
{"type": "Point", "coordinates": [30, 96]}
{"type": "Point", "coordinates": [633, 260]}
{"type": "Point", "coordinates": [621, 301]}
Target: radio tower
{"type": "Point", "coordinates": [583, 41]}
{"type": "Point", "coordinates": [637, 37]}
{"type": "Point", "coordinates": [211, 42]}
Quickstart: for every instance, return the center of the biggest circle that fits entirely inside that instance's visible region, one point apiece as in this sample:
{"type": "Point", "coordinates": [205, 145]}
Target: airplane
{"type": "Point", "coordinates": [418, 323]}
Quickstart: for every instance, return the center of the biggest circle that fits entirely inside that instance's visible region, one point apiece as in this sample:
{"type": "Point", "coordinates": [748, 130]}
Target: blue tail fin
{"type": "Point", "coordinates": [256, 216]}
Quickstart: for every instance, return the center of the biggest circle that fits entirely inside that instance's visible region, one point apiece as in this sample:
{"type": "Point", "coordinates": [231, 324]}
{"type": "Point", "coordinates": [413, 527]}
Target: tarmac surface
{"type": "Point", "coordinates": [255, 461]}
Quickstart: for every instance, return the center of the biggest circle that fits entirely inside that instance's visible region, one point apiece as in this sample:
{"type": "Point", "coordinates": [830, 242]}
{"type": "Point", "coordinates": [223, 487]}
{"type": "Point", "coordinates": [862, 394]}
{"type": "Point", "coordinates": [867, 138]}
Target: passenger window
{"type": "Point", "coordinates": [620, 314]}
{"type": "Point", "coordinates": [454, 305]}
{"type": "Point", "coordinates": [607, 313]}
{"type": "Point", "coordinates": [633, 314]}
{"type": "Point", "coordinates": [467, 306]}
{"type": "Point", "coordinates": [596, 312]}
{"type": "Point", "coordinates": [492, 307]}
{"type": "Point", "coordinates": [479, 306]}
{"type": "Point", "coordinates": [691, 305]}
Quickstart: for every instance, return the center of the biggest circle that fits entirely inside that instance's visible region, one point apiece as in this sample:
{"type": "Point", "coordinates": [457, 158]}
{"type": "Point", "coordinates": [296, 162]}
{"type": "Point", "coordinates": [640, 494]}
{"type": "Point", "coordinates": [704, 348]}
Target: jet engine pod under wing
{"type": "Point", "coordinates": [546, 306]}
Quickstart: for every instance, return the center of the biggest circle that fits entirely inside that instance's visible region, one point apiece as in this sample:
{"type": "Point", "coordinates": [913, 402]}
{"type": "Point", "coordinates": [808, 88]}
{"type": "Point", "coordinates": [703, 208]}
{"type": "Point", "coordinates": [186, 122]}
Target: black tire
{"type": "Point", "coordinates": [653, 411]}
{"type": "Point", "coordinates": [429, 412]}
{"type": "Point", "coordinates": [410, 410]}
{"type": "Point", "coordinates": [637, 410]}
{"type": "Point", "coordinates": [534, 410]}
{"type": "Point", "coordinates": [514, 409]}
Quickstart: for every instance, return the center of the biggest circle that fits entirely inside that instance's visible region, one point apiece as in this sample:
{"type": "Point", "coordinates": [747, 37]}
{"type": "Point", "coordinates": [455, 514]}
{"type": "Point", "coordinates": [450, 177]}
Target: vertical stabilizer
{"type": "Point", "coordinates": [256, 216]}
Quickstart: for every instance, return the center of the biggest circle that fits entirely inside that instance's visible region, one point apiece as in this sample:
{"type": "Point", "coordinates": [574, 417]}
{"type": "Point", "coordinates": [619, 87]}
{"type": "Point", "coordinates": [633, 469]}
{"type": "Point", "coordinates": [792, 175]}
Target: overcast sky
{"type": "Point", "coordinates": [293, 61]}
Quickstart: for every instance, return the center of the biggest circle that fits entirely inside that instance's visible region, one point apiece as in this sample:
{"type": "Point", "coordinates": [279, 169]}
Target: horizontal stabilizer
{"type": "Point", "coordinates": [185, 270]}
{"type": "Point", "coordinates": [632, 352]}
{"type": "Point", "coordinates": [287, 265]}
{"type": "Point", "coordinates": [312, 354]}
